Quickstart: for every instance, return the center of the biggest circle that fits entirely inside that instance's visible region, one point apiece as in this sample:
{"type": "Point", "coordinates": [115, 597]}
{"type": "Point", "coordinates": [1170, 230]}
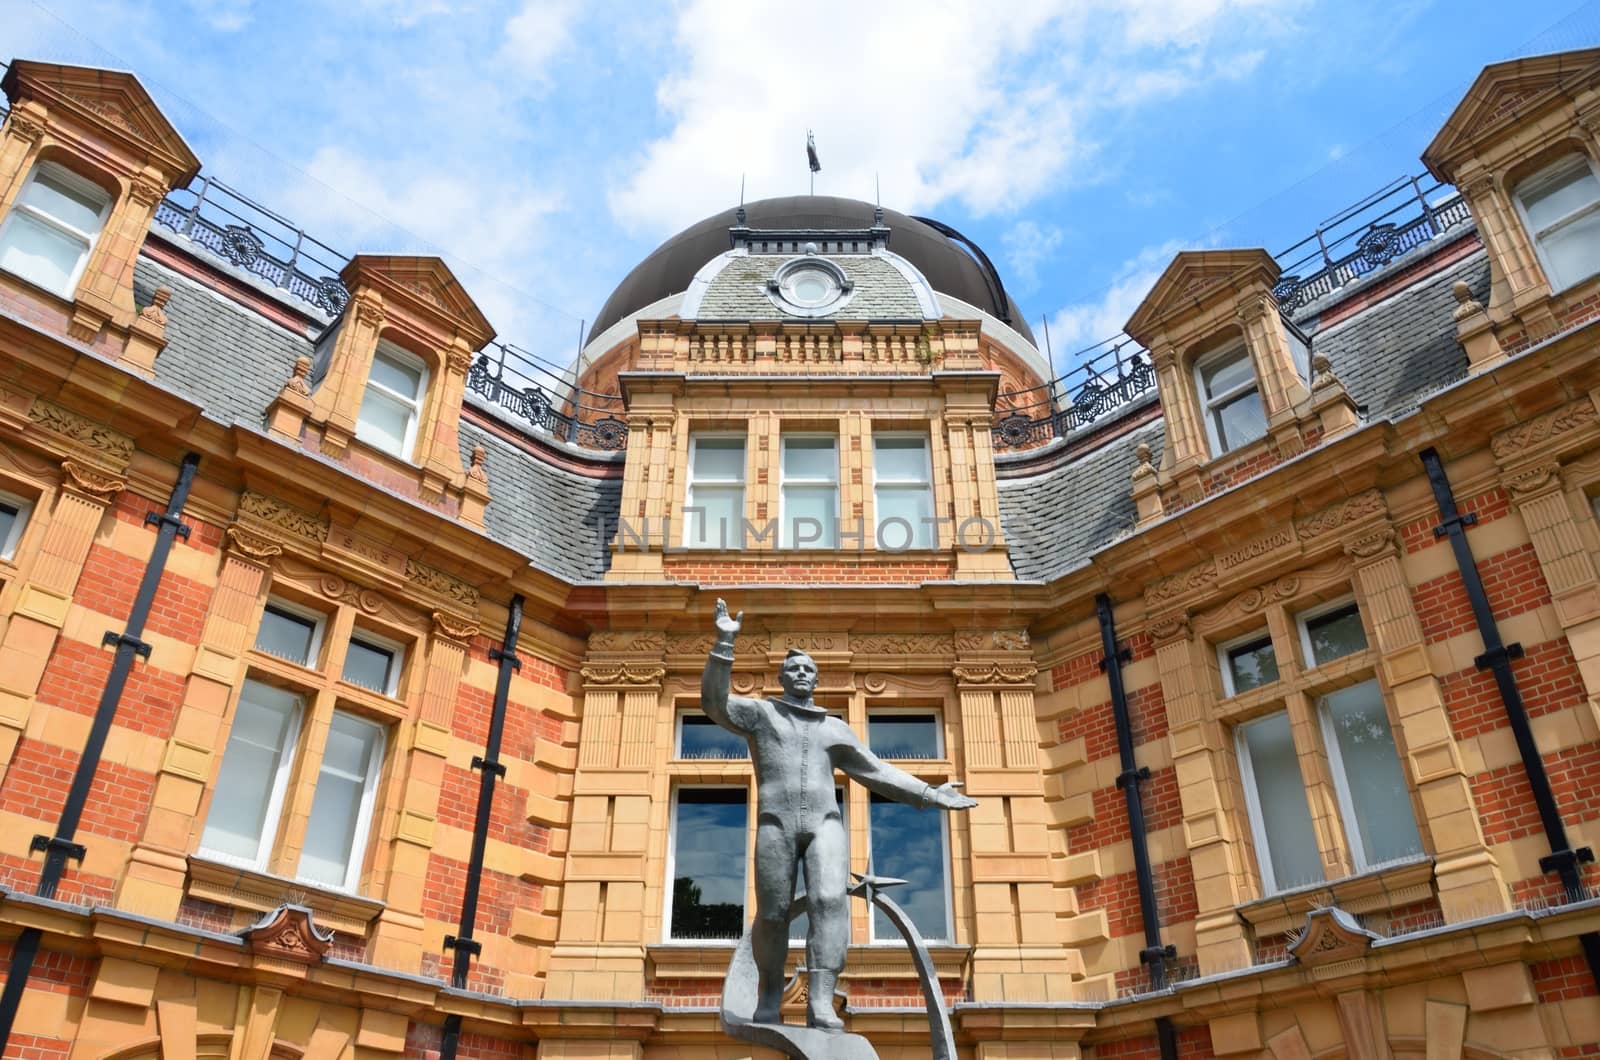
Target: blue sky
{"type": "Point", "coordinates": [545, 146]}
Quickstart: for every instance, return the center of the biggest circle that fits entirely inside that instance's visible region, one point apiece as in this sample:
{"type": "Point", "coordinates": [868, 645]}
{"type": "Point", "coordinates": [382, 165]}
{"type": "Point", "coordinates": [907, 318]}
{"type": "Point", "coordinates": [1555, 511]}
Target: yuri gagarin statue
{"type": "Point", "coordinates": [795, 746]}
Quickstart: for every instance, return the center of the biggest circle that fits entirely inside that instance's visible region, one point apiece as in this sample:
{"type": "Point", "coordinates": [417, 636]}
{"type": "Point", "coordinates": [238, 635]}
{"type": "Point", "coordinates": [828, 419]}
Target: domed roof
{"type": "Point", "coordinates": [940, 257]}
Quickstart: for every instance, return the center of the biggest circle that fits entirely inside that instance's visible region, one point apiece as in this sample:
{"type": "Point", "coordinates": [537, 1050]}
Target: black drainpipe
{"type": "Point", "coordinates": [1563, 859]}
{"type": "Point", "coordinates": [61, 846]}
{"type": "Point", "coordinates": [1154, 953]}
{"type": "Point", "coordinates": [465, 947]}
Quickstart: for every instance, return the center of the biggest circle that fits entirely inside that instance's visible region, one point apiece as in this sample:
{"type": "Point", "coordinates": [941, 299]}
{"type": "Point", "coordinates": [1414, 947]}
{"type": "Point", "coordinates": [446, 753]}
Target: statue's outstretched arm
{"type": "Point", "coordinates": [731, 712]}
{"type": "Point", "coordinates": [892, 782]}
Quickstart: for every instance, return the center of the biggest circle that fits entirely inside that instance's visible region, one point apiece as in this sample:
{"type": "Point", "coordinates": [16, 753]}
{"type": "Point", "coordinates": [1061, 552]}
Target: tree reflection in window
{"type": "Point", "coordinates": [908, 844]}
{"type": "Point", "coordinates": [709, 858]}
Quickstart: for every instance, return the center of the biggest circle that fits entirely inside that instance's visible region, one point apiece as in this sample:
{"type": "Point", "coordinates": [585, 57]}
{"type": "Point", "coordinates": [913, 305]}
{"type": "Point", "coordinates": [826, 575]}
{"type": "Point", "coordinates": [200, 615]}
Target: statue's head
{"type": "Point", "coordinates": [798, 675]}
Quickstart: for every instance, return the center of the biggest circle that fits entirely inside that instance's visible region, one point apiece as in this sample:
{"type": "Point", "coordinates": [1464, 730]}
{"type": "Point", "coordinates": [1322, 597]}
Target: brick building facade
{"type": "Point", "coordinates": [1331, 793]}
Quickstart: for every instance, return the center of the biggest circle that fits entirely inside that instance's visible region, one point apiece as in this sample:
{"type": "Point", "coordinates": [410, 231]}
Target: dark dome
{"type": "Point", "coordinates": [947, 264]}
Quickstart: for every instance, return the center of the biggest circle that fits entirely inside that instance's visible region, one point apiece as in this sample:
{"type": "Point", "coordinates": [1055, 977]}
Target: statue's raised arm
{"type": "Point", "coordinates": [731, 712]}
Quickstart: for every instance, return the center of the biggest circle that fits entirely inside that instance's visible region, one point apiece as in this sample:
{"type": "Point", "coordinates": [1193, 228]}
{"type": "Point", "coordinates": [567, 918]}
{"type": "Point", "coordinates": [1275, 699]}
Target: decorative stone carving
{"type": "Point", "coordinates": [1362, 505]}
{"type": "Point", "coordinates": [284, 516]}
{"type": "Point", "coordinates": [996, 674]}
{"type": "Point", "coordinates": [1169, 627]}
{"type": "Point", "coordinates": [629, 640]}
{"type": "Point", "coordinates": [1466, 305]}
{"type": "Point", "coordinates": [296, 383]}
{"type": "Point", "coordinates": [900, 644]}
{"type": "Point", "coordinates": [156, 311]}
{"type": "Point", "coordinates": [87, 480]}
{"type": "Point", "coordinates": [114, 446]}
{"type": "Point", "coordinates": [1196, 578]}
{"type": "Point", "coordinates": [442, 584]}
{"type": "Point", "coordinates": [476, 469]}
{"type": "Point", "coordinates": [1372, 545]}
{"type": "Point", "coordinates": [1531, 480]}
{"type": "Point", "coordinates": [256, 546]}
{"type": "Point", "coordinates": [1331, 935]}
{"type": "Point", "coordinates": [1253, 600]}
{"type": "Point", "coordinates": [289, 933]}
{"type": "Point", "coordinates": [1000, 640]}
{"type": "Point", "coordinates": [1541, 429]}
{"type": "Point", "coordinates": [336, 588]}
{"type": "Point", "coordinates": [454, 627]}
{"type": "Point", "coordinates": [699, 644]}
{"type": "Point", "coordinates": [621, 674]}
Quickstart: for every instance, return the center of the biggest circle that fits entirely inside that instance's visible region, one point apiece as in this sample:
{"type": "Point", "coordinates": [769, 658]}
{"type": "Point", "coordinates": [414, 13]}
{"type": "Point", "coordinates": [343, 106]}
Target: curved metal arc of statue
{"type": "Point", "coordinates": [804, 1043]}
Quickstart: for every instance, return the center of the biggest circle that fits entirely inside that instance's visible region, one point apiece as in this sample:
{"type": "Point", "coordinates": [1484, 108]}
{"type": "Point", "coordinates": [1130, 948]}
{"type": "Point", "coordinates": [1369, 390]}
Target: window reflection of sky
{"type": "Point", "coordinates": [903, 735]}
{"type": "Point", "coordinates": [710, 855]}
{"type": "Point", "coordinates": [908, 844]}
{"type": "Point", "coordinates": [700, 737]}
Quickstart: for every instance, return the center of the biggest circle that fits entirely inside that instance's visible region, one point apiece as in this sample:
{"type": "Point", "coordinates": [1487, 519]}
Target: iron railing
{"type": "Point", "coordinates": [545, 397]}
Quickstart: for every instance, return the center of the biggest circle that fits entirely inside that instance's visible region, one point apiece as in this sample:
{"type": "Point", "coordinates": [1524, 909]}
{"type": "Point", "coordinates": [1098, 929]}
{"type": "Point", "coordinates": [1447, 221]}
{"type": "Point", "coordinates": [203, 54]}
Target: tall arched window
{"type": "Point", "coordinates": [51, 227]}
{"type": "Point", "coordinates": [1560, 206]}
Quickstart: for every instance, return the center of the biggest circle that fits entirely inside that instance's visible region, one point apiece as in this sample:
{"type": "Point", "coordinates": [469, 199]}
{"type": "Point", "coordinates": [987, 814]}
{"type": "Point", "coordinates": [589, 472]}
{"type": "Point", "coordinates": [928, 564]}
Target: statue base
{"type": "Point", "coordinates": [801, 1043]}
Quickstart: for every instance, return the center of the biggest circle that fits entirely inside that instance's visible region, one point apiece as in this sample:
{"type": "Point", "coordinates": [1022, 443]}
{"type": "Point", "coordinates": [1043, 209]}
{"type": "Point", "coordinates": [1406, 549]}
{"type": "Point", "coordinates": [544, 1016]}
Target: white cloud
{"type": "Point", "coordinates": [953, 101]}
{"type": "Point", "coordinates": [536, 34]}
{"type": "Point", "coordinates": [1028, 245]}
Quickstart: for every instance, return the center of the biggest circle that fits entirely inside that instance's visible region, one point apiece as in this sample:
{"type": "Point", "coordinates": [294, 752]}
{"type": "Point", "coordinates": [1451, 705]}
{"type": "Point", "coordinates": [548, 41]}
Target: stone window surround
{"type": "Point", "coordinates": [1518, 178]}
{"type": "Point", "coordinates": [1298, 689]}
{"type": "Point", "coordinates": [11, 542]}
{"type": "Point", "coordinates": [854, 708]}
{"type": "Point", "coordinates": [67, 172]}
{"type": "Point", "coordinates": [323, 692]}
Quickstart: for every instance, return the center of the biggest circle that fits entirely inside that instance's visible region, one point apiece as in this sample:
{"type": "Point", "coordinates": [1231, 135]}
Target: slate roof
{"type": "Point", "coordinates": [1389, 356]}
{"type": "Point", "coordinates": [739, 290]}
{"type": "Point", "coordinates": [232, 362]}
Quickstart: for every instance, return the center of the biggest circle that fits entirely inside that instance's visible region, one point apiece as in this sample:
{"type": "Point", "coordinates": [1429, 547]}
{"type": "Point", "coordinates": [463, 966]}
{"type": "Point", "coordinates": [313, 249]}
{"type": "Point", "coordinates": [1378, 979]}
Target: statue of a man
{"type": "Point", "coordinates": [795, 746]}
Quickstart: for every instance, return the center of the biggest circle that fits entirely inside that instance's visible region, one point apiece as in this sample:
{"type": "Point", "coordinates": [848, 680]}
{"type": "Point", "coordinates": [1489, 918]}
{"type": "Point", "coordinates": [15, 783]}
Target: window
{"type": "Point", "coordinates": [240, 828]}
{"type": "Point", "coordinates": [1373, 799]}
{"type": "Point", "coordinates": [904, 735]}
{"type": "Point", "coordinates": [707, 864]}
{"type": "Point", "coordinates": [1331, 632]}
{"type": "Point", "coordinates": [700, 737]}
{"type": "Point", "coordinates": [14, 513]}
{"type": "Point", "coordinates": [347, 784]}
{"type": "Point", "coordinates": [1561, 208]}
{"type": "Point", "coordinates": [392, 403]}
{"type": "Point", "coordinates": [290, 632]}
{"type": "Point", "coordinates": [1275, 796]}
{"type": "Point", "coordinates": [1233, 412]}
{"type": "Point", "coordinates": [810, 496]}
{"type": "Point", "coordinates": [373, 663]}
{"type": "Point", "coordinates": [903, 491]}
{"type": "Point", "coordinates": [715, 507]}
{"type": "Point", "coordinates": [912, 845]}
{"type": "Point", "coordinates": [47, 236]}
{"type": "Point", "coordinates": [1247, 663]}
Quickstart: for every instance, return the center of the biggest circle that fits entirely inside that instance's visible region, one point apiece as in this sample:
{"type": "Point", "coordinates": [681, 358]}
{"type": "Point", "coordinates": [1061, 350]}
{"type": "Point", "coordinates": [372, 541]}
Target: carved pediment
{"type": "Point", "coordinates": [1331, 935]}
{"type": "Point", "coordinates": [1504, 96]}
{"type": "Point", "coordinates": [106, 101]}
{"type": "Point", "coordinates": [422, 288]}
{"type": "Point", "coordinates": [1195, 278]}
{"type": "Point", "coordinates": [288, 933]}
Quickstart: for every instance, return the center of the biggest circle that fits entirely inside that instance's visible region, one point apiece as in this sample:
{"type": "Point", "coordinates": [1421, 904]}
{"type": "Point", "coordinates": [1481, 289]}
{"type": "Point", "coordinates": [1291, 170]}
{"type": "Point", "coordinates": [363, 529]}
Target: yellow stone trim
{"type": "Point", "coordinates": [263, 892]}
{"type": "Point", "coordinates": [187, 760]}
{"type": "Point", "coordinates": [1366, 893]}
{"type": "Point", "coordinates": [415, 827]}
{"type": "Point", "coordinates": [432, 738]}
{"type": "Point", "coordinates": [220, 666]}
{"type": "Point", "coordinates": [42, 605]}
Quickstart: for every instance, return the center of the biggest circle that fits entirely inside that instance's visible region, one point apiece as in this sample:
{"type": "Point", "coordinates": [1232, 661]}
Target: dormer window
{"type": "Point", "coordinates": [52, 226]}
{"type": "Point", "coordinates": [392, 403]}
{"type": "Point", "coordinates": [1561, 208]}
{"type": "Point", "coordinates": [811, 286]}
{"type": "Point", "coordinates": [1231, 398]}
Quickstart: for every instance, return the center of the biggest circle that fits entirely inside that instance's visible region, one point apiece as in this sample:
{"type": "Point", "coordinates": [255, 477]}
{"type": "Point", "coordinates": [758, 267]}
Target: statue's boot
{"type": "Point", "coordinates": [819, 1002]}
{"type": "Point", "coordinates": [769, 1004]}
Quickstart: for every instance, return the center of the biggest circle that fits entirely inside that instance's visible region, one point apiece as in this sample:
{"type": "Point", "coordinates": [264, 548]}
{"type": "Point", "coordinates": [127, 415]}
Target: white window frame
{"type": "Point", "coordinates": [938, 727]}
{"type": "Point", "coordinates": [672, 863]}
{"type": "Point", "coordinates": [949, 906]}
{"type": "Point", "coordinates": [830, 534]}
{"type": "Point", "coordinates": [413, 422]}
{"type": "Point", "coordinates": [84, 186]}
{"type": "Point", "coordinates": [1209, 402]}
{"type": "Point", "coordinates": [24, 507]}
{"type": "Point", "coordinates": [742, 482]}
{"type": "Point", "coordinates": [925, 484]}
{"type": "Point", "coordinates": [275, 794]}
{"type": "Point", "coordinates": [1303, 620]}
{"type": "Point", "coordinates": [1341, 780]}
{"type": "Point", "coordinates": [1259, 633]}
{"type": "Point", "coordinates": [677, 738]}
{"type": "Point", "coordinates": [1252, 799]}
{"type": "Point", "coordinates": [369, 797]}
{"type": "Point", "coordinates": [1545, 175]}
{"type": "Point", "coordinates": [319, 623]}
{"type": "Point", "coordinates": [379, 641]}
